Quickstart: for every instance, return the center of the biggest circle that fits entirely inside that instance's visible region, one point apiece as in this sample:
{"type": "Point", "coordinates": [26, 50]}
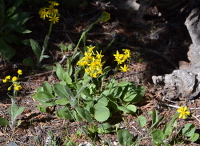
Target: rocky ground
{"type": "Point", "coordinates": [156, 46]}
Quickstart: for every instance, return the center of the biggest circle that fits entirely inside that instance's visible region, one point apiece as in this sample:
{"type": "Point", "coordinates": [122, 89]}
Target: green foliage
{"type": "Point", "coordinates": [12, 20]}
{"type": "Point", "coordinates": [124, 137]}
{"type": "Point", "coordinates": [3, 122]}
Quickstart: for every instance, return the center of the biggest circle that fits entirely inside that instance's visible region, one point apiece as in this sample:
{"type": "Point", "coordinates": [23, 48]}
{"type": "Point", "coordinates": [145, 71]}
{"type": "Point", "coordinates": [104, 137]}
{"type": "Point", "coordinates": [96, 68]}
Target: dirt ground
{"type": "Point", "coordinates": [156, 47]}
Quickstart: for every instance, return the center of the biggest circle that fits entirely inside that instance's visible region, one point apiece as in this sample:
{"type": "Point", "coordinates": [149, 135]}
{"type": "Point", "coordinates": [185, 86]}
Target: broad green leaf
{"type": "Point", "coordinates": [67, 78]}
{"type": "Point", "coordinates": [44, 98]}
{"type": "Point", "coordinates": [101, 102]}
{"type": "Point", "coordinates": [157, 136]}
{"type": "Point", "coordinates": [47, 87]}
{"type": "Point", "coordinates": [3, 122]}
{"type": "Point", "coordinates": [59, 71]}
{"type": "Point", "coordinates": [140, 94]}
{"type": "Point", "coordinates": [141, 121]}
{"type": "Point", "coordinates": [132, 108]}
{"type": "Point", "coordinates": [64, 113]}
{"type": "Point", "coordinates": [61, 90]}
{"type": "Point", "coordinates": [102, 114]}
{"type": "Point", "coordinates": [124, 137]}
{"type": "Point", "coordinates": [62, 101]}
{"type": "Point", "coordinates": [84, 114]}
{"type": "Point", "coordinates": [155, 117]}
{"type": "Point", "coordinates": [35, 47]}
{"type": "Point", "coordinates": [189, 129]}
{"type": "Point", "coordinates": [130, 96]}
{"type": "Point", "coordinates": [194, 137]}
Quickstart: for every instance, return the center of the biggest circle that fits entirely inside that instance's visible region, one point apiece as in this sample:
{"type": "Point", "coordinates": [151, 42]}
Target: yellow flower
{"type": "Point", "coordinates": [7, 77]}
{"type": "Point", "coordinates": [9, 88]}
{"type": "Point", "coordinates": [4, 80]}
{"type": "Point", "coordinates": [52, 11]}
{"type": "Point", "coordinates": [53, 19]}
{"type": "Point", "coordinates": [19, 87]}
{"type": "Point", "coordinates": [105, 16]}
{"type": "Point", "coordinates": [53, 3]}
{"type": "Point", "coordinates": [19, 71]}
{"type": "Point", "coordinates": [90, 49]}
{"type": "Point", "coordinates": [125, 68]}
{"type": "Point", "coordinates": [119, 57]}
{"type": "Point", "coordinates": [43, 13]}
{"type": "Point", "coordinates": [14, 79]}
{"type": "Point", "coordinates": [183, 112]}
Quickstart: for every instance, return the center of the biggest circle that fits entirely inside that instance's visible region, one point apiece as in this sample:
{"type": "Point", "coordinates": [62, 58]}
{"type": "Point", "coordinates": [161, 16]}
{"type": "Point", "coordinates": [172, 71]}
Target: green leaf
{"type": "Point", "coordinates": [194, 137]}
{"type": "Point", "coordinates": [140, 93]}
{"type": "Point", "coordinates": [101, 114]}
{"type": "Point", "coordinates": [129, 96]}
{"type": "Point", "coordinates": [6, 50]}
{"type": "Point", "coordinates": [44, 98]}
{"type": "Point", "coordinates": [62, 101]}
{"type": "Point", "coordinates": [101, 102]}
{"type": "Point", "coordinates": [84, 114]}
{"type": "Point", "coordinates": [62, 90]}
{"type": "Point", "coordinates": [42, 108]}
{"type": "Point", "coordinates": [124, 137]}
{"type": "Point", "coordinates": [59, 71]}
{"type": "Point", "coordinates": [155, 117]}
{"type": "Point", "coordinates": [124, 109]}
{"type": "Point", "coordinates": [35, 47]}
{"type": "Point", "coordinates": [157, 136]}
{"type": "Point", "coordinates": [28, 62]}
{"type": "Point", "coordinates": [141, 121]}
{"type": "Point", "coordinates": [132, 108]}
{"type": "Point", "coordinates": [12, 9]}
{"type": "Point", "coordinates": [64, 113]}
{"type": "Point", "coordinates": [47, 87]}
{"type": "Point", "coordinates": [69, 66]}
{"type": "Point", "coordinates": [188, 130]}
{"type": "Point", "coordinates": [3, 122]}
{"type": "Point", "coordinates": [67, 78]}
{"type": "Point", "coordinates": [104, 128]}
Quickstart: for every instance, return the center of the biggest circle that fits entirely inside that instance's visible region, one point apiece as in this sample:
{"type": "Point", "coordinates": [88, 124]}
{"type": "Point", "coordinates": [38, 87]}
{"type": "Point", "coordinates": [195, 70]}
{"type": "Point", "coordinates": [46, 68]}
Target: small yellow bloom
{"type": "Point", "coordinates": [19, 87]}
{"type": "Point", "coordinates": [52, 11]}
{"type": "Point", "coordinates": [4, 80]}
{"type": "Point", "coordinates": [9, 88]}
{"type": "Point", "coordinates": [125, 68]}
{"type": "Point", "coordinates": [53, 3]}
{"type": "Point", "coordinates": [19, 71]}
{"type": "Point", "coordinates": [183, 112]}
{"type": "Point", "coordinates": [7, 77]}
{"type": "Point", "coordinates": [54, 19]}
{"type": "Point", "coordinates": [90, 49]}
{"type": "Point", "coordinates": [105, 16]}
{"type": "Point", "coordinates": [43, 13]}
{"type": "Point", "coordinates": [14, 79]}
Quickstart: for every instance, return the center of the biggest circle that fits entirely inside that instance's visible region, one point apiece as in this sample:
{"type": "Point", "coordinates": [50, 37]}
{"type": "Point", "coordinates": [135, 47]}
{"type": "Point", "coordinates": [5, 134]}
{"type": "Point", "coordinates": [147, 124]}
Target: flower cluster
{"type": "Point", "coordinates": [122, 58]}
{"type": "Point", "coordinates": [92, 62]}
{"type": "Point", "coordinates": [14, 81]}
{"type": "Point", "coordinates": [183, 112]}
{"type": "Point", "coordinates": [50, 12]}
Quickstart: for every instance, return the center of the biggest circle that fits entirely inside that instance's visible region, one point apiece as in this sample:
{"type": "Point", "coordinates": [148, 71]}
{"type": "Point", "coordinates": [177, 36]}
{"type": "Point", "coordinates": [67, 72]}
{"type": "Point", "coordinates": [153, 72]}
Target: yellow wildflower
{"type": "Point", "coordinates": [53, 19]}
{"type": "Point", "coordinates": [43, 13]}
{"type": "Point", "coordinates": [7, 77]}
{"type": "Point", "coordinates": [14, 79]}
{"type": "Point", "coordinates": [52, 11]}
{"type": "Point", "coordinates": [125, 68]}
{"type": "Point", "coordinates": [9, 88]}
{"type": "Point", "coordinates": [19, 71]}
{"type": "Point", "coordinates": [4, 80]}
{"type": "Point", "coordinates": [53, 3]}
{"type": "Point", "coordinates": [105, 16]}
{"type": "Point", "coordinates": [19, 87]}
{"type": "Point", "coordinates": [183, 112]}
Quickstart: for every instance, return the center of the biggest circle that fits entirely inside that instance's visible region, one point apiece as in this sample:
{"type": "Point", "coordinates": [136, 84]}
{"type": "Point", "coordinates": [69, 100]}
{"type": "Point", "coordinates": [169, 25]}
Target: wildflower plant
{"type": "Point", "coordinates": [14, 110]}
{"type": "Point", "coordinates": [51, 13]}
{"type": "Point", "coordinates": [122, 58]}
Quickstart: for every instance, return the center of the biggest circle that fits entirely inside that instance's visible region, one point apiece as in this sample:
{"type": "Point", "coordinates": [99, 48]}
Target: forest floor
{"type": "Point", "coordinates": [156, 49]}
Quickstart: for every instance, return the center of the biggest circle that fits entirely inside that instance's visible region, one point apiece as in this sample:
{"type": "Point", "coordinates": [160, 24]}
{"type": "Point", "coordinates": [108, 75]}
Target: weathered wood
{"type": "Point", "coordinates": [186, 79]}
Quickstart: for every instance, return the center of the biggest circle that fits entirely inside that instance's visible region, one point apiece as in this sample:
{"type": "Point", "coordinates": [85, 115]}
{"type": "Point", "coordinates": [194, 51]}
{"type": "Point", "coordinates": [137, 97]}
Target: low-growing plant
{"type": "Point", "coordinates": [12, 20]}
{"type": "Point", "coordinates": [14, 111]}
{"type": "Point", "coordinates": [170, 134]}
